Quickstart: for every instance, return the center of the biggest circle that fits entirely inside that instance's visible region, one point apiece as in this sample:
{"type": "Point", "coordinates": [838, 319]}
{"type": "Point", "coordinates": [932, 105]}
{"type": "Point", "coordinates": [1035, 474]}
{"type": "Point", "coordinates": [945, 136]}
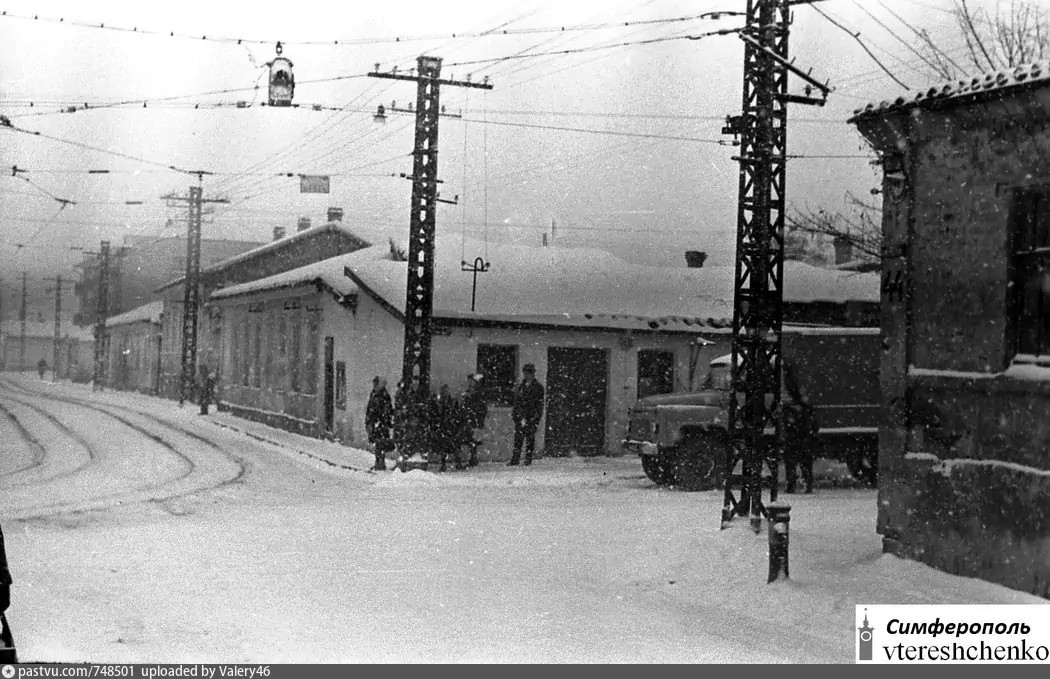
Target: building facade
{"type": "Point", "coordinates": [300, 349]}
{"type": "Point", "coordinates": [965, 447]}
{"type": "Point", "coordinates": [74, 349]}
{"type": "Point", "coordinates": [133, 344]}
{"type": "Point", "coordinates": [139, 266]}
{"type": "Point", "coordinates": [304, 247]}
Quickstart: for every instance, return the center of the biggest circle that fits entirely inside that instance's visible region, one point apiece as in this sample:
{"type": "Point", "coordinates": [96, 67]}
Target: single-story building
{"type": "Point", "coordinates": [133, 346]}
{"type": "Point", "coordinates": [964, 454]}
{"type": "Point", "coordinates": [300, 349]}
{"type": "Point", "coordinates": [307, 245]}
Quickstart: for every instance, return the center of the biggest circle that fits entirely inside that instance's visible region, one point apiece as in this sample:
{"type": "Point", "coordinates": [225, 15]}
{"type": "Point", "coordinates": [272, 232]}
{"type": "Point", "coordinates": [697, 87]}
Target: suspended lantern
{"type": "Point", "coordinates": [282, 80]}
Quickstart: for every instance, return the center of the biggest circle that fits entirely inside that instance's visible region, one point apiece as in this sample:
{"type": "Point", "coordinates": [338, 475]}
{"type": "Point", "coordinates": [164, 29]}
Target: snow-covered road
{"type": "Point", "coordinates": [141, 532]}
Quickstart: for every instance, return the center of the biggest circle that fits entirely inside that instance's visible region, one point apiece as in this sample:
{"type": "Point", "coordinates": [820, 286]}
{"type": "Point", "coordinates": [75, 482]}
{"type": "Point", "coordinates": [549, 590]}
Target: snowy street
{"type": "Point", "coordinates": [140, 532]}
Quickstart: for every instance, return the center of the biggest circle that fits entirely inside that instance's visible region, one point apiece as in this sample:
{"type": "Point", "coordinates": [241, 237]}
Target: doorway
{"type": "Point", "coordinates": [577, 397]}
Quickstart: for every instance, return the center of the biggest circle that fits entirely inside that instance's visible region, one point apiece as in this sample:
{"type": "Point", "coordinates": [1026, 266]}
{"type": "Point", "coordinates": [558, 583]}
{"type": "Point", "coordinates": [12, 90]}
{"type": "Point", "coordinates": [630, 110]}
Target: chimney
{"type": "Point", "coordinates": [278, 232]}
{"type": "Point", "coordinates": [694, 259]}
{"type": "Point", "coordinates": [304, 223]}
{"type": "Point", "coordinates": [335, 214]}
{"type": "Point", "coordinates": [843, 250]}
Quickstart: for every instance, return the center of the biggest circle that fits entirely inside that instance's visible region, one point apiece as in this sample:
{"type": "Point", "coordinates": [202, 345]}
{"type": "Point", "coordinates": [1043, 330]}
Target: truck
{"type": "Point", "coordinates": [683, 438]}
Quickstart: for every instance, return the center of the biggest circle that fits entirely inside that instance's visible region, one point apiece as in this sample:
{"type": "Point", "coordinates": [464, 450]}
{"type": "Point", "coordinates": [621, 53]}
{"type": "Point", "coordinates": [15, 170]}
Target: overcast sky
{"type": "Point", "coordinates": [645, 198]}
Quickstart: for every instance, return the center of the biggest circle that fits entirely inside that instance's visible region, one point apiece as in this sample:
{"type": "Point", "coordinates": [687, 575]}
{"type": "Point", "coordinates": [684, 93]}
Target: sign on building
{"type": "Point", "coordinates": [313, 183]}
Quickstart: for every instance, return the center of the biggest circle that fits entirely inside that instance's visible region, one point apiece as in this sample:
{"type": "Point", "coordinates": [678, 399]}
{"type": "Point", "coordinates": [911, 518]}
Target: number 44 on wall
{"type": "Point", "coordinates": [893, 284]}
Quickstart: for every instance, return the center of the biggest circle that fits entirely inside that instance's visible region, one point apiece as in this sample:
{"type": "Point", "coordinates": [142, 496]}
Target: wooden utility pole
{"type": "Point", "coordinates": [22, 318]}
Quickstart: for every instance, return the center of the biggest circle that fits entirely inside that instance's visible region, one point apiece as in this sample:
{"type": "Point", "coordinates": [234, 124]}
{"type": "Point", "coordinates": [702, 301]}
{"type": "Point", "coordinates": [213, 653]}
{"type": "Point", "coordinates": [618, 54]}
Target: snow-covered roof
{"type": "Point", "coordinates": [590, 287]}
{"type": "Point", "coordinates": [270, 247]}
{"type": "Point", "coordinates": [993, 84]}
{"type": "Point", "coordinates": [328, 273]}
{"type": "Point", "coordinates": [578, 287]}
{"type": "Point", "coordinates": [149, 312]}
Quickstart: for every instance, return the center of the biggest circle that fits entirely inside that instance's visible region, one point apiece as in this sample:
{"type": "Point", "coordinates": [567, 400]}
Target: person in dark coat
{"type": "Point", "coordinates": [800, 433]}
{"type": "Point", "coordinates": [448, 427]}
{"type": "Point", "coordinates": [207, 389]}
{"type": "Point", "coordinates": [7, 642]}
{"type": "Point", "coordinates": [475, 410]}
{"type": "Point", "coordinates": [527, 411]}
{"type": "Point", "coordinates": [41, 367]}
{"type": "Point", "coordinates": [379, 418]}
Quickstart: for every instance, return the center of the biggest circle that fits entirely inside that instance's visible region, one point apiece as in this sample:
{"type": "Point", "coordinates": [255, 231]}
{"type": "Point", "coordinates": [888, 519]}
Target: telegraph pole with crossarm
{"type": "Point", "coordinates": [758, 301]}
{"type": "Point", "coordinates": [58, 326]}
{"type": "Point", "coordinates": [191, 296]}
{"type": "Point", "coordinates": [100, 316]}
{"type": "Point", "coordinates": [419, 300]}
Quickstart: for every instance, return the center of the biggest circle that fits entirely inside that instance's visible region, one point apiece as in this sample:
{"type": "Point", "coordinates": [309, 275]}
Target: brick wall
{"type": "Point", "coordinates": [964, 450]}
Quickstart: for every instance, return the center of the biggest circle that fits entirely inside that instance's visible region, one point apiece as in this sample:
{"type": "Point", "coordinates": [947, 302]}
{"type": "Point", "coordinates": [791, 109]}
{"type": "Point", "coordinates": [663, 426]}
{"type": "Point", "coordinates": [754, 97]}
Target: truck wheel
{"type": "Point", "coordinates": [864, 466]}
{"type": "Point", "coordinates": [658, 470]}
{"type": "Point", "coordinates": [698, 464]}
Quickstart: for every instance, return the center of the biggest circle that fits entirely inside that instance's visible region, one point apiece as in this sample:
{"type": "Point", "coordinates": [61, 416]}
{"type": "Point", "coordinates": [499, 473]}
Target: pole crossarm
{"type": "Point", "coordinates": [425, 75]}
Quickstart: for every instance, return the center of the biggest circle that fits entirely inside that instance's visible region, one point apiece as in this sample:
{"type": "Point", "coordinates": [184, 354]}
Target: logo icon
{"type": "Point", "coordinates": [8, 672]}
{"type": "Point", "coordinates": [864, 639]}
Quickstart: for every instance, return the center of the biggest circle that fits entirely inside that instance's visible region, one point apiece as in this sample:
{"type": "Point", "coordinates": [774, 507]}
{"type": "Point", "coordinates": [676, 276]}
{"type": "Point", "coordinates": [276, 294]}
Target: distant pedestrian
{"type": "Point", "coordinates": [800, 433]}
{"type": "Point", "coordinates": [379, 418]}
{"type": "Point", "coordinates": [475, 410]}
{"type": "Point", "coordinates": [206, 389]}
{"type": "Point", "coordinates": [527, 411]}
{"type": "Point", "coordinates": [41, 367]}
{"type": "Point", "coordinates": [7, 642]}
{"type": "Point", "coordinates": [448, 428]}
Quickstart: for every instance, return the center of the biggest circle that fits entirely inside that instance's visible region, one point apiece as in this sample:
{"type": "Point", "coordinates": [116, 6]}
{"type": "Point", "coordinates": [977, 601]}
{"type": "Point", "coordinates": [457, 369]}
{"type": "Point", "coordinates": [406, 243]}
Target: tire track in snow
{"type": "Point", "coordinates": [142, 492]}
{"type": "Point", "coordinates": [236, 474]}
{"type": "Point", "coordinates": [39, 452]}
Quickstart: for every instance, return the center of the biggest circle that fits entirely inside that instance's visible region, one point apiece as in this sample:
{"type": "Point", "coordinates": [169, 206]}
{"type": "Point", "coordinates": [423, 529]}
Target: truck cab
{"type": "Point", "coordinates": [683, 441]}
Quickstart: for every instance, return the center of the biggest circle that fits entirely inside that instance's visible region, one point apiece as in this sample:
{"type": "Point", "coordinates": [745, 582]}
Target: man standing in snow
{"type": "Point", "coordinates": [379, 414]}
{"type": "Point", "coordinates": [448, 427]}
{"type": "Point", "coordinates": [7, 642]}
{"type": "Point", "coordinates": [800, 433]}
{"type": "Point", "coordinates": [527, 411]}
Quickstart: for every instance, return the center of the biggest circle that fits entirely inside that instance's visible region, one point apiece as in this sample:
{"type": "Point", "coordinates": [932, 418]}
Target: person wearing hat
{"type": "Point", "coordinates": [379, 418]}
{"type": "Point", "coordinates": [527, 411]}
{"type": "Point", "coordinates": [476, 410]}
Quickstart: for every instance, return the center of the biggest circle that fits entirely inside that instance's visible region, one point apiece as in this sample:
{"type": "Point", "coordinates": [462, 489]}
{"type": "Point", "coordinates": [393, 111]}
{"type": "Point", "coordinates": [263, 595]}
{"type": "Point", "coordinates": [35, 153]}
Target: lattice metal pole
{"type": "Point", "coordinates": [754, 404]}
{"type": "Point", "coordinates": [419, 301]}
{"type": "Point", "coordinates": [191, 296]}
{"type": "Point", "coordinates": [102, 310]}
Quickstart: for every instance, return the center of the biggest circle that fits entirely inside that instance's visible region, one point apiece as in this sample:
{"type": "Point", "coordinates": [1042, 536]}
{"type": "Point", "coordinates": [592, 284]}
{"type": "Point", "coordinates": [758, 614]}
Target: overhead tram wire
{"type": "Point", "coordinates": [118, 154]}
{"type": "Point", "coordinates": [922, 35]}
{"type": "Point", "coordinates": [204, 37]}
{"type": "Point", "coordinates": [898, 38]}
{"type": "Point", "coordinates": [856, 36]}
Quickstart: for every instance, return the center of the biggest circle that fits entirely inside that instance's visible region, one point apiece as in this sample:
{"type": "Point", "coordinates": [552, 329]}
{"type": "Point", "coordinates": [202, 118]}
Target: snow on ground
{"type": "Point", "coordinates": [567, 560]}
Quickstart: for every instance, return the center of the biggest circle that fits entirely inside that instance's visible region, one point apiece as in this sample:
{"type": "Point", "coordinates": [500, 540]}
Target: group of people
{"type": "Point", "coordinates": [415, 421]}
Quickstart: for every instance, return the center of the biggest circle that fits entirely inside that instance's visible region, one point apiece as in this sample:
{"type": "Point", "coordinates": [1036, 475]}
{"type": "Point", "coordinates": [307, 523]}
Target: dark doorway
{"type": "Point", "coordinates": [577, 395]}
{"type": "Point", "coordinates": [329, 383]}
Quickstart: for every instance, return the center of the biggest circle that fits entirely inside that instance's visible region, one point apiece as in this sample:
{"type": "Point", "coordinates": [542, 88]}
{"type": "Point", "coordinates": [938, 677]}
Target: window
{"type": "Point", "coordinates": [1031, 272]}
{"type": "Point", "coordinates": [268, 350]}
{"type": "Point", "coordinates": [340, 385]}
{"type": "Point", "coordinates": [498, 365]}
{"type": "Point", "coordinates": [311, 330]}
{"type": "Point", "coordinates": [246, 353]}
{"type": "Point", "coordinates": [257, 350]}
{"type": "Point", "coordinates": [655, 372]}
{"type": "Point", "coordinates": [281, 378]}
{"type": "Point", "coordinates": [295, 337]}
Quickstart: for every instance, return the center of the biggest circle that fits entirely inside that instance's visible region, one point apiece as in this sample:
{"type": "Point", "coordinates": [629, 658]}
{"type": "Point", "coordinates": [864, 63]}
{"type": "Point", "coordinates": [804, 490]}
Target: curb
{"type": "Point", "coordinates": [287, 447]}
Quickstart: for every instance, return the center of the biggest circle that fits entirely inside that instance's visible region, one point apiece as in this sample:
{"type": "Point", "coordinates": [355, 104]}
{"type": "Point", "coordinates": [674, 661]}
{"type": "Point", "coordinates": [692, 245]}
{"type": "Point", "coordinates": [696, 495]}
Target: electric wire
{"type": "Point", "coordinates": [856, 36]}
